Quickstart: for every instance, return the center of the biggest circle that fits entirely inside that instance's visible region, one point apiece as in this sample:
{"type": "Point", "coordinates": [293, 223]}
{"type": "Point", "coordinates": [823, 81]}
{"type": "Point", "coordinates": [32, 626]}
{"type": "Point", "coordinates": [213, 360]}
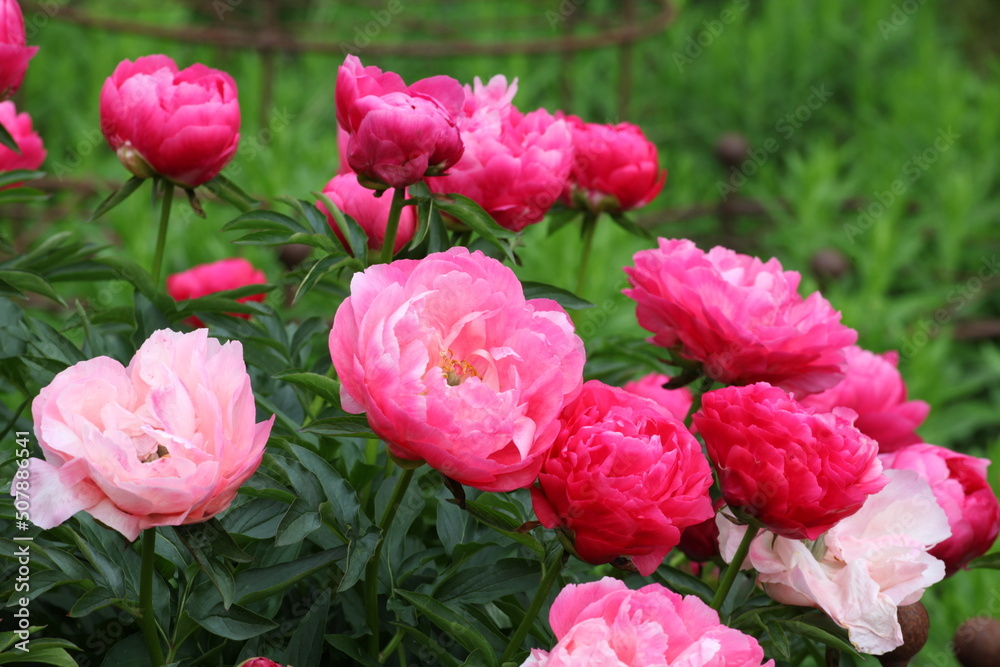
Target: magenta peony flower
{"type": "Point", "coordinates": [514, 165]}
{"type": "Point", "coordinates": [259, 662]}
{"type": "Point", "coordinates": [32, 153]}
{"type": "Point", "coordinates": [183, 125]}
{"type": "Point", "coordinates": [604, 624]}
{"type": "Point", "coordinates": [370, 212]}
{"type": "Point", "coordinates": [164, 442]}
{"type": "Point", "coordinates": [798, 471]}
{"type": "Point", "coordinates": [205, 279]}
{"type": "Point", "coordinates": [742, 319]}
{"type": "Point", "coordinates": [343, 138]}
{"type": "Point", "coordinates": [615, 168]}
{"type": "Point", "coordinates": [455, 367]}
{"type": "Point", "coordinates": [398, 133]}
{"type": "Point", "coordinates": [676, 401]}
{"type": "Point", "coordinates": [863, 568]}
{"type": "Point", "coordinates": [875, 390]}
{"type": "Point", "coordinates": [962, 490]}
{"type": "Point", "coordinates": [624, 476]}
{"type": "Point", "coordinates": [14, 52]}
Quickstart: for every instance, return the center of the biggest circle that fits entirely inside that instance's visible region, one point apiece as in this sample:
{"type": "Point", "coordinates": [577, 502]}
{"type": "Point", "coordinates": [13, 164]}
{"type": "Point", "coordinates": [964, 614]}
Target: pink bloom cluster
{"type": "Point", "coordinates": [220, 276]}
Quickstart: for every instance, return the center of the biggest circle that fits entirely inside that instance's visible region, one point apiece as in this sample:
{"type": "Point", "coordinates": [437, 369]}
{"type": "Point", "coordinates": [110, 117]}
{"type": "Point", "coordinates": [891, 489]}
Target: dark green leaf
{"type": "Point", "coordinates": [819, 627]}
{"type": "Point", "coordinates": [989, 561]}
{"type": "Point", "coordinates": [564, 298]}
{"type": "Point", "coordinates": [320, 385]}
{"type": "Point", "coordinates": [265, 221]}
{"type": "Point", "coordinates": [432, 645]}
{"type": "Point", "coordinates": [7, 140]}
{"type": "Point", "coordinates": [26, 281]}
{"type": "Point", "coordinates": [259, 583]}
{"type": "Point", "coordinates": [452, 623]}
{"type": "Point", "coordinates": [626, 223]}
{"type": "Point", "coordinates": [349, 646]}
{"type": "Point", "coordinates": [683, 583]}
{"type": "Point", "coordinates": [305, 647]}
{"type": "Point", "coordinates": [94, 599]}
{"type": "Point", "coordinates": [237, 623]}
{"type": "Point", "coordinates": [479, 585]}
{"type": "Point", "coordinates": [299, 521]}
{"type": "Point", "coordinates": [472, 214]}
{"type": "Point", "coordinates": [344, 427]}
{"type": "Point", "coordinates": [117, 197]}
{"type": "Point", "coordinates": [359, 552]}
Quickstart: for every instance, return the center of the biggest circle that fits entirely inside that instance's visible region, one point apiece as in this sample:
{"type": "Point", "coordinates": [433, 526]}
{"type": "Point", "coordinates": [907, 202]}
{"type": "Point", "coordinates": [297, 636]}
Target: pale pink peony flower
{"type": "Point", "coordinates": [860, 570]}
{"type": "Point", "coordinates": [164, 442]}
{"type": "Point", "coordinates": [220, 276]}
{"type": "Point", "coordinates": [604, 624]}
{"type": "Point", "coordinates": [370, 212]}
{"type": "Point", "coordinates": [181, 124]}
{"type": "Point", "coordinates": [14, 51]}
{"type": "Point", "coordinates": [624, 477]}
{"type": "Point", "coordinates": [453, 366]}
{"type": "Point", "coordinates": [962, 489]}
{"type": "Point", "coordinates": [514, 165]}
{"type": "Point", "coordinates": [32, 152]}
{"type": "Point", "coordinates": [795, 470]}
{"type": "Point", "coordinates": [741, 318]}
{"type": "Point", "coordinates": [676, 401]}
{"type": "Point", "coordinates": [875, 390]}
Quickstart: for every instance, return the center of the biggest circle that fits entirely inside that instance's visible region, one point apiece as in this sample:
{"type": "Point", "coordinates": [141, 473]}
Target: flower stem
{"type": "Point", "coordinates": [541, 595]}
{"type": "Point", "coordinates": [395, 210]}
{"type": "Point", "coordinates": [734, 568]}
{"type": "Point", "coordinates": [146, 618]}
{"type": "Point", "coordinates": [371, 570]}
{"type": "Point", "coordinates": [589, 225]}
{"type": "Point", "coordinates": [161, 236]}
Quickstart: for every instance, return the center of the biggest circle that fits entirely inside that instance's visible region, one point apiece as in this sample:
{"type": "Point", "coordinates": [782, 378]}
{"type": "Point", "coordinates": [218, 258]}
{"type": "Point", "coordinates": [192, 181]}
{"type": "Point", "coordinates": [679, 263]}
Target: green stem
{"type": "Point", "coordinates": [734, 568]}
{"type": "Point", "coordinates": [541, 595]}
{"type": "Point", "coordinates": [589, 226]}
{"type": "Point", "coordinates": [161, 236]}
{"type": "Point", "coordinates": [371, 570]}
{"type": "Point", "coordinates": [146, 618]}
{"type": "Point", "coordinates": [389, 244]}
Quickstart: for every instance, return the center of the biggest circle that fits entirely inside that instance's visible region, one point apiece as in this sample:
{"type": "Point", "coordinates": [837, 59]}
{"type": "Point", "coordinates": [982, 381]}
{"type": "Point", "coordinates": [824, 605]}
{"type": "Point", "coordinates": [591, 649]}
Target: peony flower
{"type": "Point", "coordinates": [259, 662]}
{"type": "Point", "coordinates": [14, 52]}
{"type": "Point", "coordinates": [615, 169]}
{"type": "Point", "coordinates": [624, 476]}
{"type": "Point", "coordinates": [220, 276]}
{"type": "Point", "coordinates": [166, 441]}
{"type": "Point", "coordinates": [875, 390]}
{"type": "Point", "coordinates": [398, 133]}
{"type": "Point", "coordinates": [962, 490]}
{"type": "Point", "coordinates": [369, 211]}
{"type": "Point", "coordinates": [700, 542]}
{"type": "Point", "coordinates": [32, 153]}
{"type": "Point", "coordinates": [742, 319]}
{"type": "Point", "coordinates": [604, 624]}
{"type": "Point", "coordinates": [797, 471]}
{"type": "Point", "coordinates": [453, 366]}
{"type": "Point", "coordinates": [676, 401]}
{"type": "Point", "coordinates": [863, 568]}
{"type": "Point", "coordinates": [514, 165]}
{"type": "Point", "coordinates": [183, 125]}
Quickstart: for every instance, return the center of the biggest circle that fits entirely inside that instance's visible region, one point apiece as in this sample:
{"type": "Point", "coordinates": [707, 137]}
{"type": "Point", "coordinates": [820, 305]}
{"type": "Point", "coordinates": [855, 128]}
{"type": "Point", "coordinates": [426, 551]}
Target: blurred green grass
{"type": "Point", "coordinates": [896, 81]}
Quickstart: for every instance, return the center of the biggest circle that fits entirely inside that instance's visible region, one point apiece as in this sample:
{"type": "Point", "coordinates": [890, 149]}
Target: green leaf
{"type": "Point", "coordinates": [320, 385]}
{"type": "Point", "coordinates": [356, 237]}
{"type": "Point", "coordinates": [626, 223]}
{"type": "Point", "coordinates": [129, 652]}
{"type": "Point", "coordinates": [359, 552]}
{"type": "Point", "coordinates": [989, 561]}
{"type": "Point", "coordinates": [230, 192]}
{"type": "Point", "coordinates": [452, 623]}
{"type": "Point", "coordinates": [433, 646]}
{"type": "Point", "coordinates": [819, 627]}
{"type": "Point", "coordinates": [94, 599]}
{"type": "Point", "coordinates": [779, 639]}
{"type": "Point", "coordinates": [564, 298]}
{"type": "Point", "coordinates": [477, 219]}
{"type": "Point", "coordinates": [7, 140]}
{"type": "Point", "coordinates": [39, 655]}
{"type": "Point", "coordinates": [305, 646]}
{"type": "Point", "coordinates": [479, 585]}
{"type": "Point", "coordinates": [26, 281]}
{"type": "Point", "coordinates": [353, 426]}
{"type": "Point", "coordinates": [504, 524]}
{"type": "Point", "coordinates": [320, 268]}
{"type": "Point", "coordinates": [259, 583]}
{"type": "Point", "coordinates": [131, 272]}
{"type": "Point", "coordinates": [265, 221]}
{"type": "Point", "coordinates": [559, 216]}
{"type": "Point", "coordinates": [22, 195]}
{"type": "Point", "coordinates": [683, 582]}
{"type": "Point", "coordinates": [237, 623]}
{"type": "Point", "coordinates": [117, 197]}
{"type": "Point", "coordinates": [349, 646]}
{"type": "Point", "coordinates": [299, 521]}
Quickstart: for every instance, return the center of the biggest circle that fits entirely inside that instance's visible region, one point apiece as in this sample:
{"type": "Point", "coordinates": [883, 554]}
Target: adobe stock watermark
{"type": "Point", "coordinates": [901, 13]}
{"type": "Point", "coordinates": [911, 172]}
{"type": "Point", "coordinates": [713, 29]}
{"type": "Point", "coordinates": [566, 9]}
{"type": "Point", "coordinates": [367, 32]}
{"type": "Point", "coordinates": [20, 488]}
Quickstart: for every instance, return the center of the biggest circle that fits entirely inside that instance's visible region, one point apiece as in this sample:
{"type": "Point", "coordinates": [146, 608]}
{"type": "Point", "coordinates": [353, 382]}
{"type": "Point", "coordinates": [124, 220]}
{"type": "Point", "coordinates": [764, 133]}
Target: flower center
{"type": "Point", "coordinates": [160, 452]}
{"type": "Point", "coordinates": [453, 371]}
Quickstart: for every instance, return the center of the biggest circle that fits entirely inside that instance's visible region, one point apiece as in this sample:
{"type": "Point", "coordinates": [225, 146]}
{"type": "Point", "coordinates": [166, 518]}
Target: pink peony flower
{"type": "Point", "coordinates": [259, 662]}
{"type": "Point", "coordinates": [14, 51]}
{"type": "Point", "coordinates": [455, 367]}
{"type": "Point", "coordinates": [370, 212]}
{"type": "Point", "coordinates": [863, 568]}
{"type": "Point", "coordinates": [398, 133]}
{"type": "Point", "coordinates": [343, 138]}
{"type": "Point", "coordinates": [742, 319]}
{"type": "Point", "coordinates": [875, 390]}
{"type": "Point", "coordinates": [604, 624]}
{"type": "Point", "coordinates": [205, 279]}
{"type": "Point", "coordinates": [183, 125]}
{"type": "Point", "coordinates": [32, 153]}
{"type": "Point", "coordinates": [797, 471]}
{"type": "Point", "coordinates": [962, 490]}
{"type": "Point", "coordinates": [166, 441]}
{"type": "Point", "coordinates": [615, 169]}
{"type": "Point", "coordinates": [676, 401]}
{"type": "Point", "coordinates": [624, 476]}
{"type": "Point", "coordinates": [514, 165]}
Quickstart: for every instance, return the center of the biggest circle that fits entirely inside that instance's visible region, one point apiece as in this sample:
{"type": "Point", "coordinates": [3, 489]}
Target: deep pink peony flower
{"type": "Point", "coordinates": [514, 165]}
{"type": "Point", "coordinates": [615, 167]}
{"type": "Point", "coordinates": [14, 52]}
{"type": "Point", "coordinates": [398, 133]}
{"type": "Point", "coordinates": [604, 624]}
{"type": "Point", "coordinates": [700, 542]}
{"type": "Point", "coordinates": [343, 138]}
{"type": "Point", "coordinates": [370, 212]}
{"type": "Point", "coordinates": [164, 442]}
{"type": "Point", "coordinates": [32, 153]}
{"type": "Point", "coordinates": [962, 490]}
{"type": "Point", "coordinates": [676, 401]}
{"type": "Point", "coordinates": [875, 390]}
{"type": "Point", "coordinates": [799, 472]}
{"type": "Point", "coordinates": [624, 476]}
{"type": "Point", "coordinates": [455, 367]}
{"type": "Point", "coordinates": [183, 125]}
{"type": "Point", "coordinates": [259, 662]}
{"type": "Point", "coordinates": [742, 319]}
{"type": "Point", "coordinates": [205, 279]}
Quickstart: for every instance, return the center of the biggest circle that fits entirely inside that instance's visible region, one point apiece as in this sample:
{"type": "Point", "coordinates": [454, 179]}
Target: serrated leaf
{"type": "Point", "coordinates": [564, 298]}
{"type": "Point", "coordinates": [353, 426]}
{"type": "Point", "coordinates": [452, 623]}
{"type": "Point", "coordinates": [117, 197]}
